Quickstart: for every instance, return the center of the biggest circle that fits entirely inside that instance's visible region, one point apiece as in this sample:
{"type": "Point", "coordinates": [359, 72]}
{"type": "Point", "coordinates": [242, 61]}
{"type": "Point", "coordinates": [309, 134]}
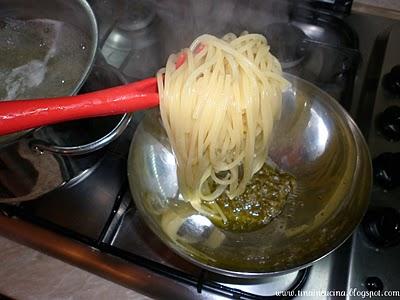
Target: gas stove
{"type": "Point", "coordinates": [93, 222]}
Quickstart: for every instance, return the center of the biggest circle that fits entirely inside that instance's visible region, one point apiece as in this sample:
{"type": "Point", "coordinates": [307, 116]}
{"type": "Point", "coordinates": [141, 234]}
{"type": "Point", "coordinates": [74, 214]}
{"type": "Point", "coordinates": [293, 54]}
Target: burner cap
{"type": "Point", "coordinates": [286, 41]}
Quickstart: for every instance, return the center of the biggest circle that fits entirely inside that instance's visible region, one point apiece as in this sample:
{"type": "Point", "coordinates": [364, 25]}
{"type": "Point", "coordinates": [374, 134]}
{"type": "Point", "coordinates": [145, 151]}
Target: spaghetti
{"type": "Point", "coordinates": [219, 99]}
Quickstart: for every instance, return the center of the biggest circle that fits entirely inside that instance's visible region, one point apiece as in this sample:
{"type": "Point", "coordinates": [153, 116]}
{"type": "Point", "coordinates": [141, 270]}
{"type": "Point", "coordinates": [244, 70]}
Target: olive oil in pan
{"type": "Point", "coordinates": [263, 200]}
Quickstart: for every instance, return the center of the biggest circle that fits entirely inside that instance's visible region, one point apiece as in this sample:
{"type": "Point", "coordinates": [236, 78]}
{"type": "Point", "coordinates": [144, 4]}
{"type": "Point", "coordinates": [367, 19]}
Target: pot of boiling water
{"type": "Point", "coordinates": [48, 49]}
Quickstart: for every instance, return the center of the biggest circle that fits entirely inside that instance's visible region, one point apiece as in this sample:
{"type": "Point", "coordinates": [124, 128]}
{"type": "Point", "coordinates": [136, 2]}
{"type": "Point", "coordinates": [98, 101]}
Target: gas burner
{"type": "Point", "coordinates": [132, 44]}
{"type": "Point", "coordinates": [316, 52]}
{"type": "Point", "coordinates": [139, 14]}
{"type": "Point", "coordinates": [287, 45]}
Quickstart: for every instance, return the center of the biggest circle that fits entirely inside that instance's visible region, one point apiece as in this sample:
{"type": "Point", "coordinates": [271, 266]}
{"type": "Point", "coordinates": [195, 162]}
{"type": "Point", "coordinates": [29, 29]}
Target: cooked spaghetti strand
{"type": "Point", "coordinates": [218, 108]}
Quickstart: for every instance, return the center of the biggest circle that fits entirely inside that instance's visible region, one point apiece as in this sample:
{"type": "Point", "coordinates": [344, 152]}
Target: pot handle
{"type": "Point", "coordinates": [41, 146]}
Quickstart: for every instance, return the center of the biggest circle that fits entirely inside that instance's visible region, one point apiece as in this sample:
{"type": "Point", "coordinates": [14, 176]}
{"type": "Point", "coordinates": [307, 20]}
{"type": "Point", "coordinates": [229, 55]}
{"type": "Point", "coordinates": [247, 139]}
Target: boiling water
{"type": "Point", "coordinates": [41, 58]}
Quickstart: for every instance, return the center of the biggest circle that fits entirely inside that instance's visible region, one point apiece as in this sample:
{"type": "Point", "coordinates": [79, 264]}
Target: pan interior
{"type": "Point", "coordinates": [316, 141]}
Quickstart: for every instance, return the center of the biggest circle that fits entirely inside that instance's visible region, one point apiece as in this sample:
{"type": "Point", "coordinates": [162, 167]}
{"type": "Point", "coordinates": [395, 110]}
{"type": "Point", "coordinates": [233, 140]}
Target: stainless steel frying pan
{"type": "Point", "coordinates": [315, 140]}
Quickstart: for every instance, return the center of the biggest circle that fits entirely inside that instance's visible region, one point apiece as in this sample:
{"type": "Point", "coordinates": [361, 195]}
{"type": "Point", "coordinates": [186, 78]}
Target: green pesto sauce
{"type": "Point", "coordinates": [264, 198]}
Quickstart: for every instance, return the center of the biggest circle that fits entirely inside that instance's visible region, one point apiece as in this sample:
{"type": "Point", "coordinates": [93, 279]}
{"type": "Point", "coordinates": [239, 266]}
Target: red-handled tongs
{"type": "Point", "coordinates": [18, 115]}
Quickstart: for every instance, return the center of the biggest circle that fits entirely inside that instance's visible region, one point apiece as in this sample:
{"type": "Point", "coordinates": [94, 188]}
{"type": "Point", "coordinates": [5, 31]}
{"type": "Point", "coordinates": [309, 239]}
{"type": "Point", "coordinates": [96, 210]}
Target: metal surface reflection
{"type": "Point", "coordinates": [315, 140]}
{"type": "Point", "coordinates": [318, 134]}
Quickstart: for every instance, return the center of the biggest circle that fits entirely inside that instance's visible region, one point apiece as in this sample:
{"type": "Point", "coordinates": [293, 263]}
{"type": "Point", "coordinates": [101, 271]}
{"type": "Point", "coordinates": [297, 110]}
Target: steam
{"type": "Point", "coordinates": [183, 21]}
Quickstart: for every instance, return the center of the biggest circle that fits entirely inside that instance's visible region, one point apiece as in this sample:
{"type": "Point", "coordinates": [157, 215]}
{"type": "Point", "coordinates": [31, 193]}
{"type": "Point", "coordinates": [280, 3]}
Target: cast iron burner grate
{"type": "Point", "coordinates": [201, 281]}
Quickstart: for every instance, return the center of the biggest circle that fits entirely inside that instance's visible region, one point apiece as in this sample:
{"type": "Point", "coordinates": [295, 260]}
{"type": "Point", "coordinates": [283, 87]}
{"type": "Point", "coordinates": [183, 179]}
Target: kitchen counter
{"type": "Point", "coordinates": [383, 8]}
{"type": "Point", "coordinates": [387, 4]}
{"type": "Point", "coordinates": [28, 274]}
